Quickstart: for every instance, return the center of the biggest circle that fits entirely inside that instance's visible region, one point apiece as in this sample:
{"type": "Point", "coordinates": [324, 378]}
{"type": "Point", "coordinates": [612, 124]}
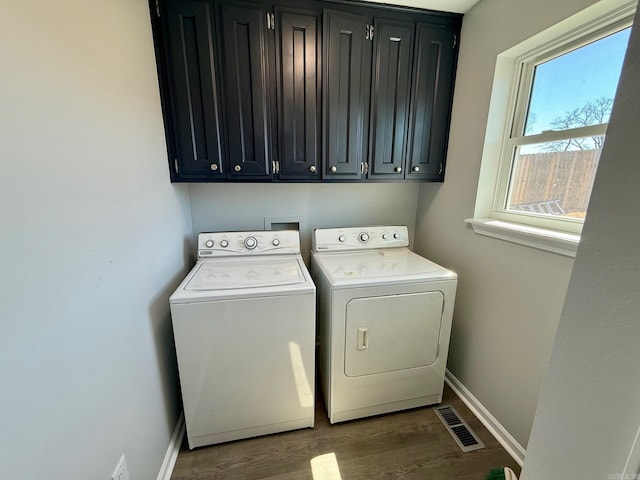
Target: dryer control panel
{"type": "Point", "coordinates": [228, 244]}
{"type": "Point", "coordinates": [359, 238]}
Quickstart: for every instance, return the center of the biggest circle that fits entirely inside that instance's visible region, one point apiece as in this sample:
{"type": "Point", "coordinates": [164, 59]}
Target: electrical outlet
{"type": "Point", "coordinates": [121, 472]}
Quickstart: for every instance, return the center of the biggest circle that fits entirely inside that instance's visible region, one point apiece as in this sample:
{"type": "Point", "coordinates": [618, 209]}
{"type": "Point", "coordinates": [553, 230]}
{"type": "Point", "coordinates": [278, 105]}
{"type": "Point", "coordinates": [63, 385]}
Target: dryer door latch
{"type": "Point", "coordinates": [363, 338]}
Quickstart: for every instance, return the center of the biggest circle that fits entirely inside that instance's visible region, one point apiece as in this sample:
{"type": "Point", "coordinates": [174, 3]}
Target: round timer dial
{"type": "Point", "coordinates": [250, 243]}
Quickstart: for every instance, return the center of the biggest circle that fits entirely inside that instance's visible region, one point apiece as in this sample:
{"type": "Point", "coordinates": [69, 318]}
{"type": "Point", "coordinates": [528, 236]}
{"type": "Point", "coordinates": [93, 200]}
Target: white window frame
{"type": "Point", "coordinates": [507, 113]}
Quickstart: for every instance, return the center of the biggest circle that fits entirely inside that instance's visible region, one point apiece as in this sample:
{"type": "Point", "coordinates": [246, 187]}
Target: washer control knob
{"type": "Point", "coordinates": [341, 238]}
{"type": "Point", "coordinates": [276, 242]}
{"type": "Point", "coordinates": [208, 243]}
{"type": "Point", "coordinates": [224, 243]}
{"type": "Point", "coordinates": [396, 236]}
{"type": "Point", "coordinates": [385, 236]}
{"type": "Point", "coordinates": [250, 243]}
{"type": "Point", "coordinates": [364, 237]}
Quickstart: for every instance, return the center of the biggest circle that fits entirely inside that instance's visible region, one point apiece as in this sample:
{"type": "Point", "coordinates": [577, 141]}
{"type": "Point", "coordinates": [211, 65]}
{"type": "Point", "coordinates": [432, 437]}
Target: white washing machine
{"type": "Point", "coordinates": [384, 321]}
{"type": "Point", "coordinates": [244, 328]}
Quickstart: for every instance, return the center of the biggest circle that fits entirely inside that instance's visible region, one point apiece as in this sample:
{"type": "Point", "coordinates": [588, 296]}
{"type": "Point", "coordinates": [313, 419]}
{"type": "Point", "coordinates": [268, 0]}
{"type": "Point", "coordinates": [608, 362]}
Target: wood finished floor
{"type": "Point", "coordinates": [409, 445]}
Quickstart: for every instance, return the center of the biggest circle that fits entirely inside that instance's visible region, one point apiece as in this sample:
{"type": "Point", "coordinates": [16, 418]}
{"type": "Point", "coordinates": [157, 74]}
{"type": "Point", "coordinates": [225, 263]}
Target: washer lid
{"type": "Point", "coordinates": [388, 266]}
{"type": "Point", "coordinates": [244, 277]}
{"type": "Point", "coordinates": [245, 273]}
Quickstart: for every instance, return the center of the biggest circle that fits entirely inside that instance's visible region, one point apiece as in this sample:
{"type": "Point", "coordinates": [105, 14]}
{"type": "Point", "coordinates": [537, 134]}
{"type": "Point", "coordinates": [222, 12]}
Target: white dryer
{"type": "Point", "coordinates": [244, 328]}
{"type": "Point", "coordinates": [384, 321]}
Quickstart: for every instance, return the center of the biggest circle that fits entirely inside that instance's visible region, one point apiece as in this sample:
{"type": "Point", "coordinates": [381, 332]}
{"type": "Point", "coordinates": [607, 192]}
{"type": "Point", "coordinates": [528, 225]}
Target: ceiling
{"type": "Point", "coordinates": [458, 6]}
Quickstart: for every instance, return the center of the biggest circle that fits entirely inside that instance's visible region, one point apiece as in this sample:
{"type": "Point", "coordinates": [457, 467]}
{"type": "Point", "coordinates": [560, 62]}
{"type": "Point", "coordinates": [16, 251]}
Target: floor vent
{"type": "Point", "coordinates": [458, 428]}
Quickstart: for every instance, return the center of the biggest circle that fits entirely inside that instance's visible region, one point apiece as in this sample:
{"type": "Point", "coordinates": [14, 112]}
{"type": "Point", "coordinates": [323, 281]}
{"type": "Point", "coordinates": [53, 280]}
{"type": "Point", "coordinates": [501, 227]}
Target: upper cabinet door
{"type": "Point", "coordinates": [434, 69]}
{"type": "Point", "coordinates": [194, 100]}
{"type": "Point", "coordinates": [244, 49]}
{"type": "Point", "coordinates": [345, 89]}
{"type": "Point", "coordinates": [298, 79]}
{"type": "Point", "coordinates": [390, 97]}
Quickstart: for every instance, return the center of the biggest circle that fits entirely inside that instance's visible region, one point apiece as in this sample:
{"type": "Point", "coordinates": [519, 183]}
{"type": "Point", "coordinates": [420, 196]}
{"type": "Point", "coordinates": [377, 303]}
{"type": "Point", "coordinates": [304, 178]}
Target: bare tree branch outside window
{"type": "Point", "coordinates": [592, 113]}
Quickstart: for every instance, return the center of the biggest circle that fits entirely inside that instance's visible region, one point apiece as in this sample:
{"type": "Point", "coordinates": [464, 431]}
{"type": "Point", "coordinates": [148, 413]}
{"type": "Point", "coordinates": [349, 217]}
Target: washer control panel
{"type": "Point", "coordinates": [228, 244]}
{"type": "Point", "coordinates": [359, 238]}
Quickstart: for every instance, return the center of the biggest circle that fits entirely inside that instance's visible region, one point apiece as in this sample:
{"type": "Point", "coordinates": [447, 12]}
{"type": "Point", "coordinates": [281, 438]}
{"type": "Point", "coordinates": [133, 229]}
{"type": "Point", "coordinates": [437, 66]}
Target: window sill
{"type": "Point", "coordinates": [552, 241]}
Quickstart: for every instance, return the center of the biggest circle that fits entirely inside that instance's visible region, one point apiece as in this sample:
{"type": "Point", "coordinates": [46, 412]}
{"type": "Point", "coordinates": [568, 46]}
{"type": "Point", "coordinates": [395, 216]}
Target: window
{"type": "Point", "coordinates": [560, 120]}
{"type": "Point", "coordinates": [545, 135]}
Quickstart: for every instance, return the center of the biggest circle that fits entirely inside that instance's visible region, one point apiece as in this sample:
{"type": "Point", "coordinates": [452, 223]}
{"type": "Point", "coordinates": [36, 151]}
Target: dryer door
{"type": "Point", "coordinates": [390, 333]}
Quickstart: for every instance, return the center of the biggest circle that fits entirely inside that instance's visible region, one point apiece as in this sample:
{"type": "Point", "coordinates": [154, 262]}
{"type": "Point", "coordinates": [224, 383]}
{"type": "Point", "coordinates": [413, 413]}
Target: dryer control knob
{"type": "Point", "coordinates": [364, 237]}
{"type": "Point", "coordinates": [224, 243]}
{"type": "Point", "coordinates": [250, 243]}
{"type": "Point", "coordinates": [341, 238]}
{"type": "Point", "coordinates": [208, 243]}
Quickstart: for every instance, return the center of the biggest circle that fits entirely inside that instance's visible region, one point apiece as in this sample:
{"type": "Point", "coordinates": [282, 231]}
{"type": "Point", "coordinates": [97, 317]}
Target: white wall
{"type": "Point", "coordinates": [245, 206]}
{"type": "Point", "coordinates": [589, 412]}
{"type": "Point", "coordinates": [92, 238]}
{"type": "Point", "coordinates": [510, 296]}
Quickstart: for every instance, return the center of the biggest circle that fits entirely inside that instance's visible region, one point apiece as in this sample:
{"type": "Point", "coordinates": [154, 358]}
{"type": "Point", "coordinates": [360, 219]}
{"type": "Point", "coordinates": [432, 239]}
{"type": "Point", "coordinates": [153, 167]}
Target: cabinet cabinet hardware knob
{"type": "Point", "coordinates": [416, 169]}
{"type": "Point", "coordinates": [312, 169]}
{"type": "Point", "coordinates": [237, 168]}
{"type": "Point", "coordinates": [333, 169]}
{"type": "Point", "coordinates": [214, 167]}
{"type": "Point", "coordinates": [398, 169]}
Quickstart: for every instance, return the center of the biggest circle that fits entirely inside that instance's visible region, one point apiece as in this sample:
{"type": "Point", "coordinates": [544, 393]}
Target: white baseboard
{"type": "Point", "coordinates": [496, 429]}
{"type": "Point", "coordinates": [632, 466]}
{"type": "Point", "coordinates": [172, 452]}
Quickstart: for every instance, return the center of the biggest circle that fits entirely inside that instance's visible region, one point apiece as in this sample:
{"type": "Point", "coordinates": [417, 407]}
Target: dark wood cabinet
{"type": "Point", "coordinates": [304, 90]}
{"type": "Point", "coordinates": [243, 39]}
{"type": "Point", "coordinates": [194, 99]}
{"type": "Point", "coordinates": [299, 72]}
{"type": "Point", "coordinates": [390, 97]}
{"type": "Point", "coordinates": [434, 69]}
{"type": "Point", "coordinates": [346, 84]}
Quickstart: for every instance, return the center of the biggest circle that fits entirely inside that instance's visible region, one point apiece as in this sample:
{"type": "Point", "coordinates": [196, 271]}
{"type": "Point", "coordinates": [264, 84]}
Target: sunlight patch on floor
{"type": "Point", "coordinates": [325, 467]}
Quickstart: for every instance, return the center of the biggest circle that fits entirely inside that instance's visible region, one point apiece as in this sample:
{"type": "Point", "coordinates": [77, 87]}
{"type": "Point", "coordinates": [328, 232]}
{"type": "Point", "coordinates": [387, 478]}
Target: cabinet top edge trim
{"type": "Point", "coordinates": [385, 7]}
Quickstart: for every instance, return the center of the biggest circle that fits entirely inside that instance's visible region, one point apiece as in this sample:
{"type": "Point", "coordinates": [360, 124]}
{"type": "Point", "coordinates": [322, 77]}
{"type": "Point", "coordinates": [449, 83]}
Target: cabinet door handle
{"type": "Point", "coordinates": [237, 168]}
{"type": "Point", "coordinates": [214, 167]}
{"type": "Point", "coordinates": [271, 21]}
{"type": "Point", "coordinates": [398, 169]}
{"type": "Point", "coordinates": [312, 169]}
{"type": "Point", "coordinates": [416, 169]}
{"type": "Point", "coordinates": [333, 169]}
